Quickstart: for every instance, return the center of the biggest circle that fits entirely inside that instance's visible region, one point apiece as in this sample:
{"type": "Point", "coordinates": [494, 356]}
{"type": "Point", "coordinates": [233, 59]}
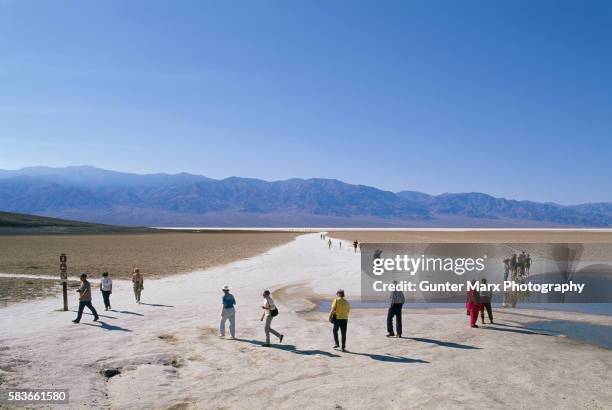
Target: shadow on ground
{"type": "Point", "coordinates": [106, 326]}
{"type": "Point", "coordinates": [598, 335]}
{"type": "Point", "coordinates": [442, 343]}
{"type": "Point", "coordinates": [388, 358]}
{"type": "Point", "coordinates": [289, 348]}
{"type": "Point", "coordinates": [127, 312]}
{"type": "Point", "coordinates": [156, 305]}
{"type": "Point", "coordinates": [99, 314]}
{"type": "Point", "coordinates": [513, 329]}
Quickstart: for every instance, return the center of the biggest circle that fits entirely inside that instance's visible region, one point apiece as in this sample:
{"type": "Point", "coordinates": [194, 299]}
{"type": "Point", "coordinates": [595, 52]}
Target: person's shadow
{"type": "Point", "coordinates": [106, 326]}
{"type": "Point", "coordinates": [156, 305]}
{"type": "Point", "coordinates": [442, 343]}
{"type": "Point", "coordinates": [90, 314]}
{"type": "Point", "coordinates": [127, 312]}
{"type": "Point", "coordinates": [513, 329]}
{"type": "Point", "coordinates": [289, 348]}
{"type": "Point", "coordinates": [388, 357]}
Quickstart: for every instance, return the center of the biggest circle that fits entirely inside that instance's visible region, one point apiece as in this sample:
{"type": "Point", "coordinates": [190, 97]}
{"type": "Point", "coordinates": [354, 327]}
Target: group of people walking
{"type": "Point", "coordinates": [106, 288]}
{"type": "Point", "coordinates": [517, 264]}
{"type": "Point", "coordinates": [338, 316]}
{"type": "Point", "coordinates": [476, 304]}
{"type": "Point", "coordinates": [517, 268]}
{"type": "Point", "coordinates": [330, 243]}
{"type": "Point", "coordinates": [228, 312]}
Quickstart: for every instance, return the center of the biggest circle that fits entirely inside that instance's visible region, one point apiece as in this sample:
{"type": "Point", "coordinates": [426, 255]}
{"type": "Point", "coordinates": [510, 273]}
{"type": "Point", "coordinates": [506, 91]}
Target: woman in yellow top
{"type": "Point", "coordinates": [339, 317]}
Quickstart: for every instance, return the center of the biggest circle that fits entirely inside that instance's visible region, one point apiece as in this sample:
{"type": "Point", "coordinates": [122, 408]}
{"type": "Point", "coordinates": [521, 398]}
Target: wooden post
{"type": "Point", "coordinates": [64, 278]}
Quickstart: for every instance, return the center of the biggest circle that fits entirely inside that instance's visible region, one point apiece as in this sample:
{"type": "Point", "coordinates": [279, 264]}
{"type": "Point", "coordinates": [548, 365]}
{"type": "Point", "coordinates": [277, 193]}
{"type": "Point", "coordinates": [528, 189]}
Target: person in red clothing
{"type": "Point", "coordinates": [473, 305]}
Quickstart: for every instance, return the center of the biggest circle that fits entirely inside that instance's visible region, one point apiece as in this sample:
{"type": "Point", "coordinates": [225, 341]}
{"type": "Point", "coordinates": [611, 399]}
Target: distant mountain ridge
{"type": "Point", "coordinates": [96, 195]}
{"type": "Point", "coordinates": [16, 223]}
{"type": "Point", "coordinates": [482, 206]}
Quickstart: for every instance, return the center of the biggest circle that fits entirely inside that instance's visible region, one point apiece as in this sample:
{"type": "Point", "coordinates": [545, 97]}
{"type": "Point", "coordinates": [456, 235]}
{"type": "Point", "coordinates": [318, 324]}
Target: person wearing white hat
{"type": "Point", "coordinates": [228, 312]}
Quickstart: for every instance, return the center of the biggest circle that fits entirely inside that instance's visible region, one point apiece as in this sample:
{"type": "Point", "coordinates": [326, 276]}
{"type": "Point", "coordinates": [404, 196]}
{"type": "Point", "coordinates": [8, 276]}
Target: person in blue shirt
{"type": "Point", "coordinates": [228, 312]}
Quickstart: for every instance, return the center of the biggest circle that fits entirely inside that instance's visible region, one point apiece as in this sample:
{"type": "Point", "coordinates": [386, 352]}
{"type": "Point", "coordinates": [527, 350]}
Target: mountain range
{"type": "Point", "coordinates": [95, 195]}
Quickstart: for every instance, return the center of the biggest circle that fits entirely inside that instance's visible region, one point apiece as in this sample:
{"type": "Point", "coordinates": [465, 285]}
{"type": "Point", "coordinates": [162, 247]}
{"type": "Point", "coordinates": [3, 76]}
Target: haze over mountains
{"type": "Point", "coordinates": [90, 194]}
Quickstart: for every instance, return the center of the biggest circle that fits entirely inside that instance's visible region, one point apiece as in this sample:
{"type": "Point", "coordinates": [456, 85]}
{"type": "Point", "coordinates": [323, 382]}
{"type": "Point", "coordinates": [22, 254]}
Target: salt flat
{"type": "Point", "coordinates": [170, 356]}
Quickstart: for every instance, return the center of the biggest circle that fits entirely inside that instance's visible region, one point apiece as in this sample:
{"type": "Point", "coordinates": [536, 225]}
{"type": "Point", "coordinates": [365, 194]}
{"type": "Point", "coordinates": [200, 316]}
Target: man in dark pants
{"type": "Point", "coordinates": [397, 300]}
{"type": "Point", "coordinates": [340, 324]}
{"type": "Point", "coordinates": [85, 299]}
{"type": "Point", "coordinates": [485, 298]}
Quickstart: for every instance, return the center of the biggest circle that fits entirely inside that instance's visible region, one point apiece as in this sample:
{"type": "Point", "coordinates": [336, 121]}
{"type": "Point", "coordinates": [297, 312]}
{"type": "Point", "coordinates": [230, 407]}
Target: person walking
{"type": "Point", "coordinates": [228, 312]}
{"type": "Point", "coordinates": [138, 282]}
{"type": "Point", "coordinates": [355, 245]}
{"type": "Point", "coordinates": [329, 243]}
{"type": "Point", "coordinates": [396, 300]}
{"type": "Point", "coordinates": [473, 305]}
{"type": "Point", "coordinates": [85, 299]}
{"type": "Point", "coordinates": [485, 299]}
{"type": "Point", "coordinates": [270, 311]}
{"type": "Point", "coordinates": [506, 273]}
{"type": "Point", "coordinates": [106, 287]}
{"type": "Point", "coordinates": [528, 264]}
{"type": "Point", "coordinates": [338, 315]}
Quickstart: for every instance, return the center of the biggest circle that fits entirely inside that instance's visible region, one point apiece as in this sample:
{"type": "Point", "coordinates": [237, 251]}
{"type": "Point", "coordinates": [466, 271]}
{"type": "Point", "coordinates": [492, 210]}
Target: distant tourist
{"type": "Point", "coordinates": [506, 274]}
{"type": "Point", "coordinates": [473, 305]}
{"type": "Point", "coordinates": [340, 244]}
{"type": "Point", "coordinates": [518, 267]}
{"type": "Point", "coordinates": [329, 243]}
{"type": "Point", "coordinates": [507, 268]}
{"type": "Point", "coordinates": [85, 299]}
{"type": "Point", "coordinates": [527, 263]}
{"type": "Point", "coordinates": [228, 312]}
{"type": "Point", "coordinates": [355, 245]}
{"type": "Point", "coordinates": [396, 300]}
{"type": "Point", "coordinates": [106, 287]}
{"type": "Point", "coordinates": [521, 262]}
{"type": "Point", "coordinates": [485, 299]}
{"type": "Point", "coordinates": [339, 317]}
{"type": "Point", "coordinates": [270, 311]}
{"type": "Point", "coordinates": [138, 282]}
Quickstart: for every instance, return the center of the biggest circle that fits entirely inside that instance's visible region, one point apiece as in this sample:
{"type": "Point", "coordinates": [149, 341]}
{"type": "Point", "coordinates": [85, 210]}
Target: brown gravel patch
{"type": "Point", "coordinates": [157, 254]}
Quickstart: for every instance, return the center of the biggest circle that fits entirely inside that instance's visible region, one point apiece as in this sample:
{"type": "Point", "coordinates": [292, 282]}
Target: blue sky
{"type": "Point", "coordinates": [512, 98]}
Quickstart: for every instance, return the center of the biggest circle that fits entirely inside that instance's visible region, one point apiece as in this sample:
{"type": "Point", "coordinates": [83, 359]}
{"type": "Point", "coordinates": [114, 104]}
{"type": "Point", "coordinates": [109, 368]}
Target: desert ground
{"type": "Point", "coordinates": [476, 235]}
{"type": "Point", "coordinates": [156, 254]}
{"type": "Point", "coordinates": [169, 355]}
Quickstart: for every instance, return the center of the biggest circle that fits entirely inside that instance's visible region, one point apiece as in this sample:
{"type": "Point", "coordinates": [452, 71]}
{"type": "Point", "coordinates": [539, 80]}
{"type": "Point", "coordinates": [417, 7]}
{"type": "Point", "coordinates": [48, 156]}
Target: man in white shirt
{"type": "Point", "coordinates": [106, 287]}
{"type": "Point", "coordinates": [269, 312]}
